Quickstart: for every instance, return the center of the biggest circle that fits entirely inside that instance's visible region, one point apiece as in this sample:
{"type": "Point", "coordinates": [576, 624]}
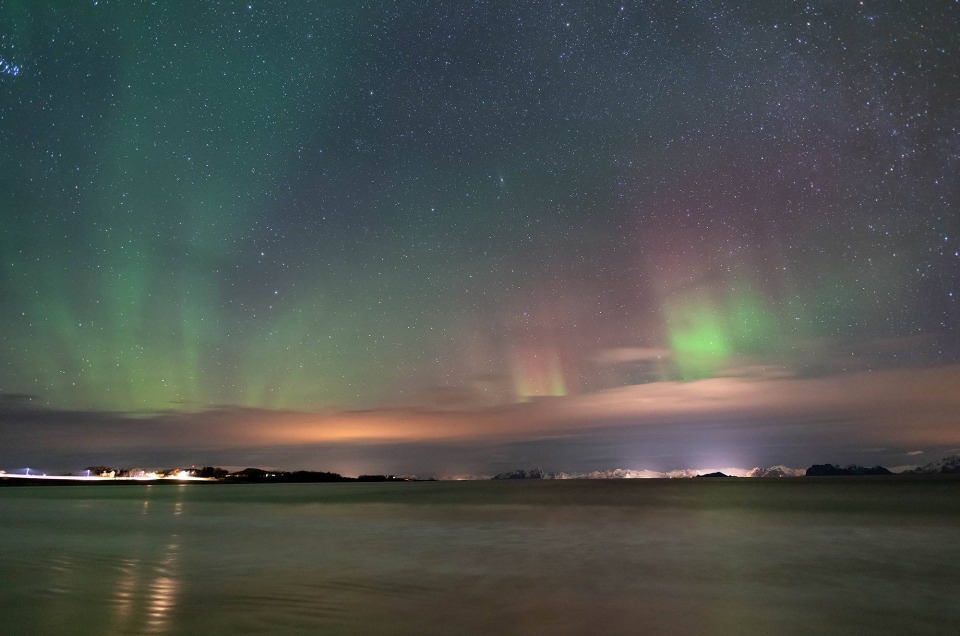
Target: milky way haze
{"type": "Point", "coordinates": [279, 209]}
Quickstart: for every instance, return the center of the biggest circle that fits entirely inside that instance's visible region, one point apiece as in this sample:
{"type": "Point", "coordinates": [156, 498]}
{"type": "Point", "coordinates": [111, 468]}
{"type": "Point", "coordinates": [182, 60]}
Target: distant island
{"type": "Point", "coordinates": [210, 474]}
{"type": "Point", "coordinates": [946, 466]}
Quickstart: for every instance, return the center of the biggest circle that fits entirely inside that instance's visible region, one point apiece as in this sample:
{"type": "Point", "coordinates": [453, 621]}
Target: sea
{"type": "Point", "coordinates": [804, 556]}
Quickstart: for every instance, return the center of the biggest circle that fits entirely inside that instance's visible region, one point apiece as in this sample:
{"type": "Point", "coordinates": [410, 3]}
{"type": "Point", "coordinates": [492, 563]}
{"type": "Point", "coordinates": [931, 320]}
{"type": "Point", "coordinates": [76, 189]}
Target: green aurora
{"type": "Point", "coordinates": [333, 205]}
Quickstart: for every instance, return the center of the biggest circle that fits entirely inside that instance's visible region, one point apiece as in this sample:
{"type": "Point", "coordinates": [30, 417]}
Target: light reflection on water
{"type": "Point", "coordinates": [162, 599]}
{"type": "Point", "coordinates": [125, 591]}
{"type": "Point", "coordinates": [146, 590]}
{"type": "Point", "coordinates": [122, 568]}
{"type": "Point", "coordinates": [145, 594]}
{"type": "Point", "coordinates": [534, 559]}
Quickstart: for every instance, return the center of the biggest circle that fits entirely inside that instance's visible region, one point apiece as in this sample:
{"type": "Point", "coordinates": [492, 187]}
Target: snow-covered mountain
{"type": "Point", "coordinates": [946, 466]}
{"type": "Point", "coordinates": [832, 470]}
{"type": "Point", "coordinates": [628, 473]}
{"type": "Point", "coordinates": [775, 471]}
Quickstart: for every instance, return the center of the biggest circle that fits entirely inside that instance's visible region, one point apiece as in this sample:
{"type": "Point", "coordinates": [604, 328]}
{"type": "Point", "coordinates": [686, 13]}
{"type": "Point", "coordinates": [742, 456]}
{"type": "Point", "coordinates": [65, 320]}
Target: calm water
{"type": "Point", "coordinates": [804, 556]}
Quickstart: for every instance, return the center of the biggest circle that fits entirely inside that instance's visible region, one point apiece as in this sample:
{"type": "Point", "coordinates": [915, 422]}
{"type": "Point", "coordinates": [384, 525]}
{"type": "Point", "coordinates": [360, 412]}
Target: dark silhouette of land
{"type": "Point", "coordinates": [210, 474]}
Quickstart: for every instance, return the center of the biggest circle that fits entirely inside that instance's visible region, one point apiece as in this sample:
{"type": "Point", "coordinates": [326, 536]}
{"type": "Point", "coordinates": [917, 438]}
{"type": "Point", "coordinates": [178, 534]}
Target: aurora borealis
{"type": "Point", "coordinates": [274, 212]}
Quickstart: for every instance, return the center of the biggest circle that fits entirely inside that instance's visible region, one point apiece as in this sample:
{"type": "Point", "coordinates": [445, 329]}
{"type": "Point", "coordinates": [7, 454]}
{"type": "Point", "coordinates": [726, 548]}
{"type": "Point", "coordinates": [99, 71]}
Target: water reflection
{"type": "Point", "coordinates": [124, 591]}
{"type": "Point", "coordinates": [134, 563]}
{"type": "Point", "coordinates": [162, 593]}
{"type": "Point", "coordinates": [145, 595]}
{"type": "Point", "coordinates": [690, 557]}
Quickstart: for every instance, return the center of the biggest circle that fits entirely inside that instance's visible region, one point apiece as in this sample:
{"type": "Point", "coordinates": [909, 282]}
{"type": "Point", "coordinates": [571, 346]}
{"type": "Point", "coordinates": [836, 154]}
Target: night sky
{"type": "Point", "coordinates": [465, 236]}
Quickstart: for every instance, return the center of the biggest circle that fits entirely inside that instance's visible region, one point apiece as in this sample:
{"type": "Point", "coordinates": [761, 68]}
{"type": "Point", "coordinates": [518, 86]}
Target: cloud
{"type": "Point", "coordinates": [735, 420]}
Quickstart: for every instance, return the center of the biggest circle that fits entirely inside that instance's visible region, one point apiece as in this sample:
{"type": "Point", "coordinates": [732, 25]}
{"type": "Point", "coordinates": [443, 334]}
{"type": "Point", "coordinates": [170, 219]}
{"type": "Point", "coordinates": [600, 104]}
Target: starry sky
{"type": "Point", "coordinates": [452, 234]}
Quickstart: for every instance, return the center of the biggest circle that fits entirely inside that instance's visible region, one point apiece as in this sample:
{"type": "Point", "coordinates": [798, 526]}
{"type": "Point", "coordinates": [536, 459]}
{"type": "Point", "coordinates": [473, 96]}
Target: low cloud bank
{"type": "Point", "coordinates": [878, 417]}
